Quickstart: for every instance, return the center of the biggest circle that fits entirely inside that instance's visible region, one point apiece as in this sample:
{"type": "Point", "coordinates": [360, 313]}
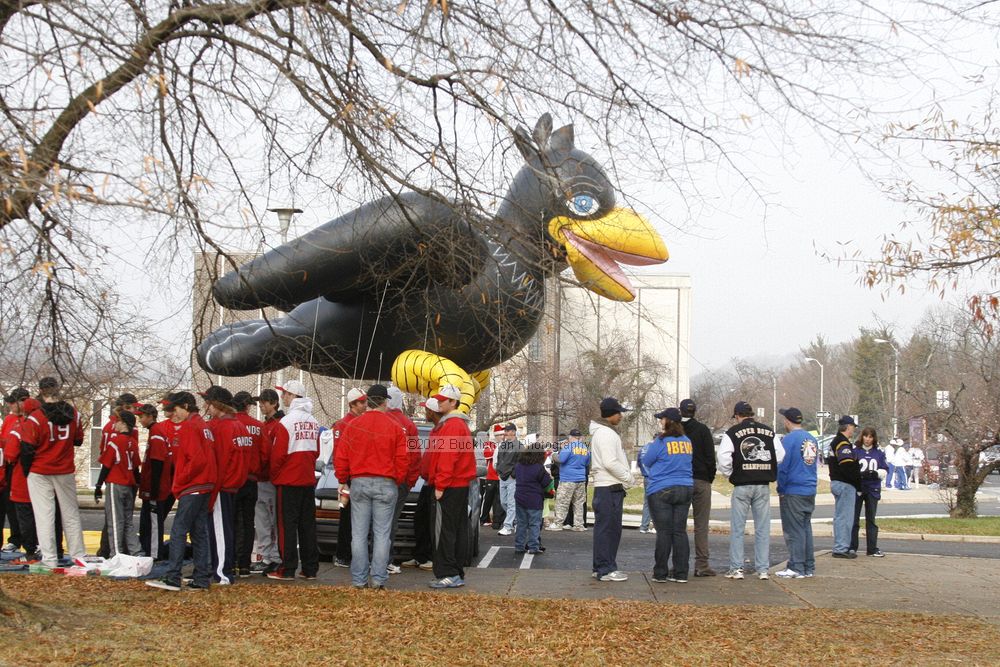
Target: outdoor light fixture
{"type": "Point", "coordinates": [895, 387]}
{"type": "Point", "coordinates": [284, 220]}
{"type": "Point", "coordinates": [821, 415]}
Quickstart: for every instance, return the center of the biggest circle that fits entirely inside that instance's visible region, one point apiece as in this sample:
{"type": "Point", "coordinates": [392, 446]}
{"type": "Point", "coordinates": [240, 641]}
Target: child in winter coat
{"type": "Point", "coordinates": [529, 497]}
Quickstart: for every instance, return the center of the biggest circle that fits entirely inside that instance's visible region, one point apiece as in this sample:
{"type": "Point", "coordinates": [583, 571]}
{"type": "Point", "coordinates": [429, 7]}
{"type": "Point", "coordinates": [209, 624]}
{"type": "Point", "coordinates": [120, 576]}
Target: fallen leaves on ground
{"type": "Point", "coordinates": [108, 622]}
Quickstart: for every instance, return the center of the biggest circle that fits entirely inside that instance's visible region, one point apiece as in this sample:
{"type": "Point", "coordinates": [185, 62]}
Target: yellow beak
{"type": "Point", "coordinates": [594, 248]}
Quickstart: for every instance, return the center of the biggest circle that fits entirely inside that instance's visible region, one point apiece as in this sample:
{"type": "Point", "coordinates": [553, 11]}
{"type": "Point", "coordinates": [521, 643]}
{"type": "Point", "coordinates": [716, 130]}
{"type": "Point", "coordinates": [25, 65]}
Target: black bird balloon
{"type": "Point", "coordinates": [425, 290]}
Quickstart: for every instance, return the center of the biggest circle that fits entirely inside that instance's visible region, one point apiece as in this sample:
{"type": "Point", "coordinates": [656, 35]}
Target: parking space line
{"type": "Point", "coordinates": [488, 558]}
{"type": "Point", "coordinates": [526, 561]}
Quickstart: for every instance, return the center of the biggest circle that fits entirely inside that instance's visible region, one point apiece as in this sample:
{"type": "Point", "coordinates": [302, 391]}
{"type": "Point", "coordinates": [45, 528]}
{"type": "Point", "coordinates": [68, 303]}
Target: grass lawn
{"type": "Point", "coordinates": [722, 485]}
{"type": "Point", "coordinates": [632, 497]}
{"type": "Point", "coordinates": [107, 622]}
{"type": "Point", "coordinates": [985, 525]}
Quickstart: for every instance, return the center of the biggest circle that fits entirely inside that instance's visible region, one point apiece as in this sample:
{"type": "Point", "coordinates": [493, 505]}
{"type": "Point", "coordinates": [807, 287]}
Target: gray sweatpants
{"type": "Point", "coordinates": [119, 505]}
{"type": "Point", "coordinates": [265, 543]}
{"type": "Point", "coordinates": [570, 493]}
{"type": "Point", "coordinates": [44, 490]}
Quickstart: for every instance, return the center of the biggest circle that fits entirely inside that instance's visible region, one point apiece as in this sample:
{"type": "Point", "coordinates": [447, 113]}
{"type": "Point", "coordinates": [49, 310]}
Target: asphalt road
{"type": "Point", "coordinates": [568, 550]}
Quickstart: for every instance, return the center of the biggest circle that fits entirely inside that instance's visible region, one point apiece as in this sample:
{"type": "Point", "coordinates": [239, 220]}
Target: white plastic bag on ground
{"type": "Point", "coordinates": [127, 566]}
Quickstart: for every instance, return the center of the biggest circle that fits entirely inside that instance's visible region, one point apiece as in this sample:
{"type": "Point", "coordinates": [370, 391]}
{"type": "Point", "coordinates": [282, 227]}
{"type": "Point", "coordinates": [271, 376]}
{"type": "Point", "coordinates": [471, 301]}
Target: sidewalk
{"type": "Point", "coordinates": [965, 586]}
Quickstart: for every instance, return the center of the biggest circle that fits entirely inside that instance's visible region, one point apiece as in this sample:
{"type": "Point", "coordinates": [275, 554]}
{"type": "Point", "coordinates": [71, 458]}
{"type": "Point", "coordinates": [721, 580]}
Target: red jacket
{"type": "Point", "coordinates": [452, 455]}
{"type": "Point", "coordinates": [231, 438]}
{"type": "Point", "coordinates": [9, 422]}
{"type": "Point", "coordinates": [412, 445]}
{"type": "Point", "coordinates": [252, 453]}
{"type": "Point", "coordinates": [54, 429]}
{"type": "Point", "coordinates": [159, 447]}
{"type": "Point", "coordinates": [194, 458]}
{"type": "Point", "coordinates": [12, 450]}
{"type": "Point", "coordinates": [296, 446]}
{"type": "Point", "coordinates": [267, 444]}
{"type": "Point", "coordinates": [121, 458]}
{"type": "Point", "coordinates": [489, 451]}
{"type": "Point", "coordinates": [373, 445]}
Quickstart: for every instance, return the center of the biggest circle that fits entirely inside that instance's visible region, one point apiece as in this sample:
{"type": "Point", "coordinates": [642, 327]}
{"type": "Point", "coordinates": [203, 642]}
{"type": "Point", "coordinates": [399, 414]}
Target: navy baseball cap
{"type": "Point", "coordinates": [575, 432]}
{"type": "Point", "coordinates": [847, 420]}
{"type": "Point", "coordinates": [673, 414]}
{"type": "Point", "coordinates": [377, 391]}
{"type": "Point", "coordinates": [688, 407]}
{"type": "Point", "coordinates": [793, 415]}
{"type": "Point", "coordinates": [610, 406]}
{"type": "Point", "coordinates": [743, 409]}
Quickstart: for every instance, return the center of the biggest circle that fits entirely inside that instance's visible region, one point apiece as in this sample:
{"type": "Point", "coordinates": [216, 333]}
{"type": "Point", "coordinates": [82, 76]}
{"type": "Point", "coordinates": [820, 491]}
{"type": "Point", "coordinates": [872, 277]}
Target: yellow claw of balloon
{"type": "Point", "coordinates": [424, 373]}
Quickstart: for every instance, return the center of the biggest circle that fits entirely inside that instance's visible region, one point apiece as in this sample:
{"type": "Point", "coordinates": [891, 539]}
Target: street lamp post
{"type": "Point", "coordinates": [895, 386]}
{"type": "Point", "coordinates": [774, 407]}
{"type": "Point", "coordinates": [822, 418]}
{"type": "Point", "coordinates": [284, 222]}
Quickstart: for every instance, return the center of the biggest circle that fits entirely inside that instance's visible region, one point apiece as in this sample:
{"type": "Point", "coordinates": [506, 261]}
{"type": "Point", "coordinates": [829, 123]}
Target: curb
{"type": "Point", "coordinates": [826, 530]}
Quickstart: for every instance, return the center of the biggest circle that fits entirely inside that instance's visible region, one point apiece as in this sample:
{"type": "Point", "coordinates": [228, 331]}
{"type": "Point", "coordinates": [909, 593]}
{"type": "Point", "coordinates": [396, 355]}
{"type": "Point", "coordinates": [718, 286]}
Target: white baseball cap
{"type": "Point", "coordinates": [355, 394]}
{"type": "Point", "coordinates": [293, 387]}
{"type": "Point", "coordinates": [448, 391]}
{"type": "Point", "coordinates": [395, 397]}
{"type": "Point", "coordinates": [431, 404]}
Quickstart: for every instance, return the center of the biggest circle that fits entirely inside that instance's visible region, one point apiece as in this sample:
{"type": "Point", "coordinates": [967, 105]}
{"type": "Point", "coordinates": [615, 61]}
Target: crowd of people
{"type": "Point", "coordinates": [243, 491]}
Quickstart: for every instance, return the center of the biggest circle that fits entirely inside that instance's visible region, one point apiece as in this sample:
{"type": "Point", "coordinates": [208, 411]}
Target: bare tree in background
{"type": "Point", "coordinates": [183, 119]}
{"type": "Point", "coordinates": [963, 360]}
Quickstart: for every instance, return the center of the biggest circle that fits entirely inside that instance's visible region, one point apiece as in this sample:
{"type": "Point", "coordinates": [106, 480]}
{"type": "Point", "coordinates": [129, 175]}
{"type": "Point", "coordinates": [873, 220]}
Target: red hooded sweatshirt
{"type": "Point", "coordinates": [194, 458]}
{"type": "Point", "coordinates": [373, 445]}
{"type": "Point", "coordinates": [296, 446]}
{"type": "Point", "coordinates": [453, 458]}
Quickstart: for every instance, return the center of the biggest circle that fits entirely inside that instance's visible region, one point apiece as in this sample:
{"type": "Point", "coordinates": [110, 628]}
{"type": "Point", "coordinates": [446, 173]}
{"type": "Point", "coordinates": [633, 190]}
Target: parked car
{"type": "Point", "coordinates": [328, 509]}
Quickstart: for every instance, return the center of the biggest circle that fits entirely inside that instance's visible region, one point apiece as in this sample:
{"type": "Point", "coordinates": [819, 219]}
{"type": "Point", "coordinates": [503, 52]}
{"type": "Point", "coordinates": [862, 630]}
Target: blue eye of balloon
{"type": "Point", "coordinates": [583, 204]}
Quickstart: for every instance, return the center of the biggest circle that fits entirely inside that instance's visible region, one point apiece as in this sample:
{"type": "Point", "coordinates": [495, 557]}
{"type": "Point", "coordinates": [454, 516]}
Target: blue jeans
{"type": "Point", "coordinates": [607, 528]}
{"type": "Point", "coordinates": [669, 508]}
{"type": "Point", "coordinates": [901, 480]}
{"type": "Point", "coordinates": [755, 498]}
{"type": "Point", "coordinates": [191, 518]}
{"type": "Point", "coordinates": [890, 476]}
{"type": "Point", "coordinates": [796, 524]}
{"type": "Point", "coordinates": [507, 488]}
{"type": "Point", "coordinates": [529, 526]}
{"type": "Point", "coordinates": [373, 502]}
{"type": "Point", "coordinates": [844, 497]}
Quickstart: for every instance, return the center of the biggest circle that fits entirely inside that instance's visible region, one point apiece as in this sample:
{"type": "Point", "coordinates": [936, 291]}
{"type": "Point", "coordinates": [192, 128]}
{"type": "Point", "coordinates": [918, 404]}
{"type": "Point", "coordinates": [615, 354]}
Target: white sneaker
{"type": "Point", "coordinates": [789, 573]}
{"type": "Point", "coordinates": [579, 529]}
{"type": "Point", "coordinates": [429, 565]}
{"type": "Point", "coordinates": [8, 548]}
{"type": "Point", "coordinates": [505, 531]}
{"type": "Point", "coordinates": [762, 576]}
{"type": "Point", "coordinates": [394, 569]}
{"type": "Point", "coordinates": [410, 563]}
{"type": "Point", "coordinates": [734, 574]}
{"type": "Point", "coordinates": [614, 576]}
{"type": "Point", "coordinates": [554, 527]}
